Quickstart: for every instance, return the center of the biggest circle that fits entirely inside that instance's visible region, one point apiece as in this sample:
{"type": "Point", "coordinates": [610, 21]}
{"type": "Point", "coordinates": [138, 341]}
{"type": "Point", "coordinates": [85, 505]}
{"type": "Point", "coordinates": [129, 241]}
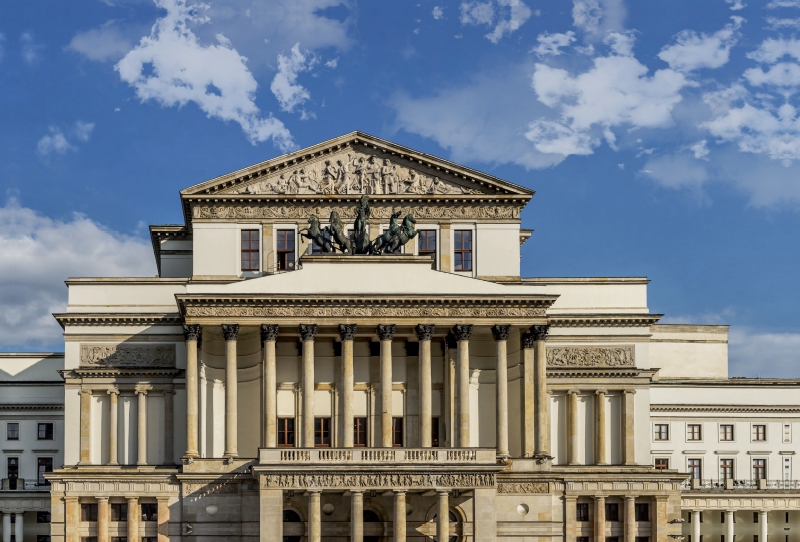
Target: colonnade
{"type": "Point", "coordinates": [141, 392]}
{"type": "Point", "coordinates": [535, 387]}
{"type": "Point", "coordinates": [600, 525]}
{"type": "Point", "coordinates": [763, 525]}
{"type": "Point", "coordinates": [18, 526]}
{"type": "Point", "coordinates": [134, 525]}
{"type": "Point", "coordinates": [601, 450]}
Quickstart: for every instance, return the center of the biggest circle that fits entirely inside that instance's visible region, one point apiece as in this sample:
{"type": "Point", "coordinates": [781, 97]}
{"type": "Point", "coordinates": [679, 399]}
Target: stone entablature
{"type": "Point", "coordinates": [375, 480]}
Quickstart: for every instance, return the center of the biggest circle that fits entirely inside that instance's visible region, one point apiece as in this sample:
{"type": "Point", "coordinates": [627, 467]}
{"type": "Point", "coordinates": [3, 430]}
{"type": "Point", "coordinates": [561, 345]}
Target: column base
{"type": "Point", "coordinates": [190, 455]}
{"type": "Point", "coordinates": [141, 464]}
{"type": "Point", "coordinates": [112, 464]}
{"type": "Point", "coordinates": [230, 455]}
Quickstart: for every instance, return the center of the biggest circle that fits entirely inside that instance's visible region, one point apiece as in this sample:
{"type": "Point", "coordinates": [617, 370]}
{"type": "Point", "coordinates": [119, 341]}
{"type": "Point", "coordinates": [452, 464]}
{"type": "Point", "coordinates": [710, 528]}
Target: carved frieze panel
{"type": "Point", "coordinates": [214, 488]}
{"type": "Point", "coordinates": [521, 488]}
{"type": "Point", "coordinates": [591, 356]}
{"type": "Point", "coordinates": [301, 211]}
{"type": "Point", "coordinates": [367, 311]}
{"type": "Point", "coordinates": [376, 480]}
{"type": "Point", "coordinates": [352, 171]}
{"type": "Point", "coordinates": [122, 355]}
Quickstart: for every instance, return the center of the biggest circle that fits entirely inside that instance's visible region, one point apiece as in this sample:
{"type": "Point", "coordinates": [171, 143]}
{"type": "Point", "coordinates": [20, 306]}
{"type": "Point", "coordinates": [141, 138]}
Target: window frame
{"type": "Point", "coordinates": [582, 511]}
{"type": "Point", "coordinates": [694, 432]}
{"type": "Point", "coordinates": [723, 430]}
{"type": "Point", "coordinates": [41, 480]}
{"type": "Point", "coordinates": [250, 228]}
{"type": "Point", "coordinates": [324, 433]}
{"type": "Point", "coordinates": [724, 469]}
{"type": "Point", "coordinates": [435, 433]}
{"type": "Point", "coordinates": [656, 432]}
{"type": "Point", "coordinates": [787, 433]}
{"type": "Point", "coordinates": [358, 422]}
{"type": "Point", "coordinates": [398, 428]}
{"type": "Point", "coordinates": [690, 468]}
{"type": "Point", "coordinates": [611, 511]}
{"type": "Point", "coordinates": [284, 431]}
{"type": "Point", "coordinates": [638, 507]}
{"type": "Point", "coordinates": [281, 232]}
{"type": "Point", "coordinates": [656, 461]}
{"type": "Point", "coordinates": [462, 251]}
{"type": "Point", "coordinates": [151, 513]}
{"type": "Point", "coordinates": [39, 431]}
{"type": "Point", "coordinates": [754, 432]}
{"type": "Point", "coordinates": [122, 508]}
{"type": "Point", "coordinates": [19, 430]}
{"type": "Point", "coordinates": [436, 245]}
{"type": "Point", "coordinates": [758, 465]}
{"type": "Point", "coordinates": [90, 509]}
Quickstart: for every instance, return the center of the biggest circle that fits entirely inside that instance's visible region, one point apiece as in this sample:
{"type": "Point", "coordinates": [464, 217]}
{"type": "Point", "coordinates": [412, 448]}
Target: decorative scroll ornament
{"type": "Point", "coordinates": [501, 332]}
{"type": "Point", "coordinates": [523, 487]}
{"type": "Point", "coordinates": [424, 331]}
{"type": "Point", "coordinates": [115, 355]}
{"type": "Point", "coordinates": [591, 356]}
{"type": "Point", "coordinates": [269, 332]}
{"type": "Point", "coordinates": [376, 480]}
{"type": "Point", "coordinates": [353, 172]}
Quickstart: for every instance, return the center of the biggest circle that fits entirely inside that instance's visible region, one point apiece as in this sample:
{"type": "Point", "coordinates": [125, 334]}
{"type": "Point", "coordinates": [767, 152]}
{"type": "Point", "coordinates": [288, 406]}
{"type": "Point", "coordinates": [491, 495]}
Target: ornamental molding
{"type": "Point", "coordinates": [255, 210]}
{"type": "Point", "coordinates": [378, 480]}
{"type": "Point", "coordinates": [118, 319]}
{"type": "Point", "coordinates": [30, 406]}
{"type": "Point", "coordinates": [121, 355]}
{"type": "Point", "coordinates": [603, 320]}
{"type": "Point", "coordinates": [337, 308]}
{"type": "Point", "coordinates": [725, 408]}
{"type": "Point", "coordinates": [521, 488]}
{"type": "Point", "coordinates": [214, 488]}
{"type": "Point", "coordinates": [591, 356]}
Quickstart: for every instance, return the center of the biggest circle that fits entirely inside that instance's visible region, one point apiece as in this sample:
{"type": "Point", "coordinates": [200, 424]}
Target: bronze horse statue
{"type": "Point", "coordinates": [397, 235]}
{"type": "Point", "coordinates": [317, 235]}
{"type": "Point", "coordinates": [337, 234]}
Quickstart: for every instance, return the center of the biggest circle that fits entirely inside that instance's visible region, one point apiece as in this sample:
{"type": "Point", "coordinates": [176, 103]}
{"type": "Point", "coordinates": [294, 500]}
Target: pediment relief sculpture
{"type": "Point", "coordinates": [352, 173]}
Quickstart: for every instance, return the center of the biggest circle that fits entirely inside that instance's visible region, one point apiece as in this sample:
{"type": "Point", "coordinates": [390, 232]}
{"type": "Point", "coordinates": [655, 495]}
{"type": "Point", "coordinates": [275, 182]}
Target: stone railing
{"type": "Point", "coordinates": [377, 455]}
{"type": "Point", "coordinates": [733, 485]}
{"type": "Point", "coordinates": [12, 485]}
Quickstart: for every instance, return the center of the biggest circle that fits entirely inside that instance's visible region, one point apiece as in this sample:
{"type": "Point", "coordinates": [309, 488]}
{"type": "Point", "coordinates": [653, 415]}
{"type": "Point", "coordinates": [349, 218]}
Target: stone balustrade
{"type": "Point", "coordinates": [271, 456]}
{"type": "Point", "coordinates": [731, 484]}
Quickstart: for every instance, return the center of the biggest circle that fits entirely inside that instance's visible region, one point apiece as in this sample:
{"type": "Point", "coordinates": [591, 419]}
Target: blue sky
{"type": "Point", "coordinates": [661, 137]}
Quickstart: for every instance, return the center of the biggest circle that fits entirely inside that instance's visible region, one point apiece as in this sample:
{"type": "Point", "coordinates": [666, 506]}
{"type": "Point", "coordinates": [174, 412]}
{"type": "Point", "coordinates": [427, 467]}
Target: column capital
{"type": "Point", "coordinates": [573, 392]}
{"type": "Point", "coordinates": [629, 498]}
{"type": "Point", "coordinates": [424, 331]}
{"type": "Point", "coordinates": [443, 491]}
{"type": "Point", "coordinates": [140, 391]}
{"type": "Point", "coordinates": [269, 332]}
{"type": "Point", "coordinates": [313, 491]}
{"type": "Point", "coordinates": [85, 392]}
{"type": "Point", "coordinates": [132, 499]}
{"type": "Point", "coordinates": [386, 331]}
{"type": "Point", "coordinates": [400, 491]}
{"type": "Point", "coordinates": [527, 341]}
{"type": "Point", "coordinates": [230, 331]}
{"type": "Point", "coordinates": [347, 332]}
{"type": "Point", "coordinates": [539, 333]}
{"type": "Point", "coordinates": [462, 332]}
{"type": "Point", "coordinates": [307, 331]}
{"type": "Point", "coordinates": [356, 491]}
{"type": "Point", "coordinates": [191, 332]}
{"type": "Point", "coordinates": [601, 392]}
{"type": "Point", "coordinates": [113, 391]}
{"type": "Point", "coordinates": [101, 499]}
{"type": "Point", "coordinates": [500, 332]}
{"type": "Point", "coordinates": [629, 392]}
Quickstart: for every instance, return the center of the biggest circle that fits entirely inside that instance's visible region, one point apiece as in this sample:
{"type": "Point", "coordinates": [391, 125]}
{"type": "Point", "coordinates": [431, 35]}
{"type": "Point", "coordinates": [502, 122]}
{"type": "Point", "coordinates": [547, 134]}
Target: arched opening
{"type": "Point", "coordinates": [290, 516]}
{"type": "Point", "coordinates": [370, 516]}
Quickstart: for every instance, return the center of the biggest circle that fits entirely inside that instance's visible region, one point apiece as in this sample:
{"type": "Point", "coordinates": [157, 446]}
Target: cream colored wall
{"type": "Point", "coordinates": [216, 249]}
{"type": "Point", "coordinates": [689, 351]}
{"type": "Point", "coordinates": [497, 250]}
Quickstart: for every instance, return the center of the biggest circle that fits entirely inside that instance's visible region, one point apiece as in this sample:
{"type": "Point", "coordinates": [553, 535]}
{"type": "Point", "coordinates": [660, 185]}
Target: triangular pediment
{"type": "Point", "coordinates": [354, 164]}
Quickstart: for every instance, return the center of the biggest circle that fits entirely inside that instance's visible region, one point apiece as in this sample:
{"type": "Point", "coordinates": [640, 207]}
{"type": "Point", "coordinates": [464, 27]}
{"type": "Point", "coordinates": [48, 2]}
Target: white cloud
{"type": "Point", "coordinates": [773, 49]}
{"type": "Point", "coordinates": [438, 12]}
{"type": "Point", "coordinates": [621, 166]}
{"type": "Point", "coordinates": [284, 85]}
{"type": "Point", "coordinates": [758, 353]}
{"type": "Point", "coordinates": [173, 68]}
{"type": "Point", "coordinates": [508, 21]}
{"type": "Point", "coordinates": [38, 253]}
{"type": "Point", "coordinates": [551, 44]}
{"type": "Point", "coordinates": [700, 150]}
{"type": "Point", "coordinates": [694, 51]}
{"type": "Point", "coordinates": [29, 48]}
{"type": "Point", "coordinates": [736, 5]}
{"type": "Point", "coordinates": [598, 17]}
{"type": "Point", "coordinates": [616, 91]}
{"type": "Point", "coordinates": [775, 4]}
{"type": "Point", "coordinates": [108, 42]}
{"type": "Point", "coordinates": [57, 142]}
{"type": "Point", "coordinates": [779, 24]}
{"type": "Point", "coordinates": [782, 74]}
{"type": "Point", "coordinates": [332, 63]}
{"type": "Point", "coordinates": [83, 130]}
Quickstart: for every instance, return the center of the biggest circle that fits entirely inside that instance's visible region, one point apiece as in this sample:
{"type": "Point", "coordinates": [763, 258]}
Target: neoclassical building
{"type": "Point", "coordinates": [264, 387]}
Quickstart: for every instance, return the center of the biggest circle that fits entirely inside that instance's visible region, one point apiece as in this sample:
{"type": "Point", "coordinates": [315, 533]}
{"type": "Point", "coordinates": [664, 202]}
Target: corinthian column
{"type": "Point", "coordinates": [462, 333]}
{"type": "Point", "coordinates": [628, 424]}
{"type": "Point", "coordinates": [528, 396]}
{"type": "Point", "coordinates": [572, 427]}
{"type": "Point", "coordinates": [601, 452]}
{"type": "Point", "coordinates": [307, 332]}
{"type": "Point", "coordinates": [191, 334]}
{"type": "Point", "coordinates": [347, 333]}
{"type": "Point", "coordinates": [424, 334]}
{"type": "Point", "coordinates": [85, 457]}
{"type": "Point", "coordinates": [231, 332]}
{"type": "Point", "coordinates": [542, 444]}
{"type": "Point", "coordinates": [500, 334]}
{"type": "Point", "coordinates": [269, 423]}
{"type": "Point", "coordinates": [141, 434]}
{"type": "Point", "coordinates": [113, 416]}
{"type": "Point", "coordinates": [385, 333]}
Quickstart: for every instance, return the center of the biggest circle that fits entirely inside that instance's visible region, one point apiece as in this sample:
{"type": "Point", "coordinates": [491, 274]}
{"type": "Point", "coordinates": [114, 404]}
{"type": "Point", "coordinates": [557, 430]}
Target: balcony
{"type": "Point", "coordinates": [377, 456]}
{"type": "Point", "coordinates": [22, 485]}
{"type": "Point", "coordinates": [739, 485]}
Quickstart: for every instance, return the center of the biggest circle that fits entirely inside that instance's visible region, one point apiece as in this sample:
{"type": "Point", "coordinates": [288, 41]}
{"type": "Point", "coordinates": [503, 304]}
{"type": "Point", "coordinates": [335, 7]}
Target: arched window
{"type": "Point", "coordinates": [370, 516]}
{"type": "Point", "coordinates": [290, 516]}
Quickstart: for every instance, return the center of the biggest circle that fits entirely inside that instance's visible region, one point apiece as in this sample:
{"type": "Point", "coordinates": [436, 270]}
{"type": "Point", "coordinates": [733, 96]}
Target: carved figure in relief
{"type": "Point", "coordinates": [345, 177]}
{"type": "Point", "coordinates": [388, 178]}
{"type": "Point", "coordinates": [338, 235]}
{"type": "Point", "coordinates": [317, 235]}
{"type": "Point", "coordinates": [374, 176]}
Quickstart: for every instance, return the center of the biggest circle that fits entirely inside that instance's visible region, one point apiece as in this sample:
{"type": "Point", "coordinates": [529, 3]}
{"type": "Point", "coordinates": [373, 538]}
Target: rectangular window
{"type": "Point", "coordinates": [45, 431]}
{"type": "Point", "coordinates": [662, 463]}
{"type": "Point", "coordinates": [787, 469]}
{"type": "Point", "coordinates": [726, 432]}
{"type": "Point", "coordinates": [726, 469]}
{"type": "Point", "coordinates": [88, 512]}
{"type": "Point", "coordinates": [722, 517]}
{"type": "Point", "coordinates": [582, 511]}
{"type": "Point", "coordinates": [759, 469]}
{"type": "Point", "coordinates": [694, 468]}
{"type": "Point", "coordinates": [722, 538]}
{"type": "Point", "coordinates": [693, 432]}
{"type": "Point", "coordinates": [149, 539]}
{"type": "Point", "coordinates": [359, 431]}
{"type": "Point", "coordinates": [12, 470]}
{"type": "Point", "coordinates": [787, 433]}
{"type": "Point", "coordinates": [149, 511]}
{"type": "Point", "coordinates": [642, 511]}
{"type": "Point", "coordinates": [661, 431]}
{"type": "Point", "coordinates": [42, 517]}
{"type": "Point", "coordinates": [759, 432]}
{"type": "Point", "coordinates": [612, 511]}
{"type": "Point", "coordinates": [397, 431]}
{"type": "Point", "coordinates": [286, 432]}
{"type": "Point", "coordinates": [322, 432]}
{"type": "Point", "coordinates": [755, 537]}
{"type": "Point", "coordinates": [427, 244]}
{"type": "Point", "coordinates": [43, 465]}
{"type": "Point", "coordinates": [462, 254]}
{"type": "Point", "coordinates": [755, 517]}
{"type": "Point", "coordinates": [250, 253]}
{"type": "Point", "coordinates": [119, 511]}
{"type": "Point", "coordinates": [435, 432]}
{"type": "Point", "coordinates": [12, 431]}
{"type": "Point", "coordinates": [286, 250]}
